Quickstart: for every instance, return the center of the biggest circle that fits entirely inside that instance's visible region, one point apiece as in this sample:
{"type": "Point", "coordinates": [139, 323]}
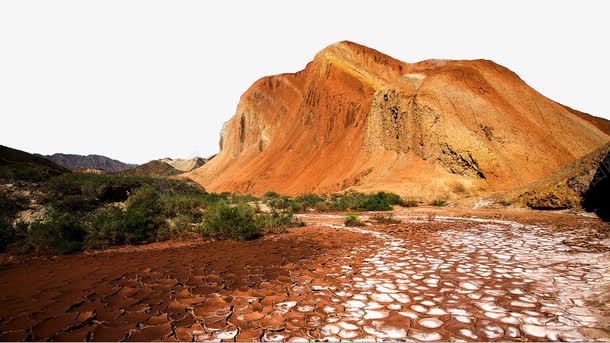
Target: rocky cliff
{"type": "Point", "coordinates": [355, 118]}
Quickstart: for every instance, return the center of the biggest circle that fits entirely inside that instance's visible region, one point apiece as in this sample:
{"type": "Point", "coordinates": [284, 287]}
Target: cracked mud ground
{"type": "Point", "coordinates": [429, 278]}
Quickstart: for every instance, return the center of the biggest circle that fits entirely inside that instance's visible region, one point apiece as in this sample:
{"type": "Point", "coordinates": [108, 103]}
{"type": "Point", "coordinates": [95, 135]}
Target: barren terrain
{"type": "Point", "coordinates": [441, 274]}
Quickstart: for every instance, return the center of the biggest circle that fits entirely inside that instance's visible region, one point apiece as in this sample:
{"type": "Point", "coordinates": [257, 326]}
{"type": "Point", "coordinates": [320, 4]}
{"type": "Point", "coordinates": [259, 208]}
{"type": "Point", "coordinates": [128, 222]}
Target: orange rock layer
{"type": "Point", "coordinates": [355, 118]}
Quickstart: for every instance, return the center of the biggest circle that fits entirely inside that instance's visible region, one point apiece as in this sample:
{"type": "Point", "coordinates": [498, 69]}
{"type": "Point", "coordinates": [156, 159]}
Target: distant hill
{"type": "Point", "coordinates": [73, 162]}
{"type": "Point", "coordinates": [165, 167]}
{"type": "Point", "coordinates": [185, 165]}
{"type": "Point", "coordinates": [152, 168]}
{"type": "Point", "coordinates": [20, 165]}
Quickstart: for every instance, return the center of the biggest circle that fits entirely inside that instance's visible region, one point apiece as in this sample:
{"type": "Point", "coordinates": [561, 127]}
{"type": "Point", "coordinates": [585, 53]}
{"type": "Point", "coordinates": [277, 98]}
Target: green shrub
{"type": "Point", "coordinates": [143, 216]}
{"type": "Point", "coordinates": [385, 219]}
{"type": "Point", "coordinates": [277, 222]}
{"type": "Point", "coordinates": [336, 202]}
{"type": "Point", "coordinates": [81, 193]}
{"type": "Point", "coordinates": [28, 173]}
{"type": "Point", "coordinates": [178, 228]}
{"type": "Point", "coordinates": [11, 203]}
{"type": "Point", "coordinates": [283, 203]}
{"type": "Point", "coordinates": [238, 198]}
{"type": "Point", "coordinates": [308, 201]}
{"type": "Point", "coordinates": [377, 202]}
{"type": "Point", "coordinates": [190, 205]}
{"type": "Point", "coordinates": [439, 202]}
{"type": "Point", "coordinates": [347, 201]}
{"type": "Point", "coordinates": [352, 219]}
{"type": "Point", "coordinates": [106, 227]}
{"type": "Point", "coordinates": [294, 206]}
{"type": "Point", "coordinates": [237, 222]}
{"type": "Point", "coordinates": [271, 195]}
{"type": "Point", "coordinates": [7, 234]}
{"type": "Point", "coordinates": [367, 202]}
{"type": "Point", "coordinates": [59, 233]}
{"type": "Point", "coordinates": [390, 198]}
{"type": "Point", "coordinates": [381, 201]}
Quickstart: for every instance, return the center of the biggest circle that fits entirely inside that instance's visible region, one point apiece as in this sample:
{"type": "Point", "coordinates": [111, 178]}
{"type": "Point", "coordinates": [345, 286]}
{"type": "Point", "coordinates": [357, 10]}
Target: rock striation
{"type": "Point", "coordinates": [358, 119]}
{"type": "Point", "coordinates": [583, 182]}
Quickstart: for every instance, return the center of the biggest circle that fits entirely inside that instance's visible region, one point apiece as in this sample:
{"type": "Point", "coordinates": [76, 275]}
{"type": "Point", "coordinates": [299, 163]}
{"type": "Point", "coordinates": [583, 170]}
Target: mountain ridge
{"type": "Point", "coordinates": [19, 164]}
{"type": "Point", "coordinates": [91, 161]}
{"type": "Point", "coordinates": [165, 167]}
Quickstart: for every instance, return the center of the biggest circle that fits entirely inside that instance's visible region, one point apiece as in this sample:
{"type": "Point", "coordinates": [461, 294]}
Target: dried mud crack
{"type": "Point", "coordinates": [426, 279]}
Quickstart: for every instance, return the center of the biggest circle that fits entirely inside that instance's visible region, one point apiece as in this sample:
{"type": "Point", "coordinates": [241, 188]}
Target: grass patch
{"type": "Point", "coordinates": [58, 233]}
{"type": "Point", "coordinates": [352, 219]}
{"type": "Point", "coordinates": [89, 211]}
{"type": "Point", "coordinates": [106, 227]}
{"type": "Point", "coordinates": [351, 201]}
{"type": "Point", "coordinates": [11, 203]}
{"type": "Point", "coordinates": [277, 222]}
{"type": "Point", "coordinates": [75, 192]}
{"type": "Point", "coordinates": [383, 218]}
{"type": "Point", "coordinates": [236, 222]}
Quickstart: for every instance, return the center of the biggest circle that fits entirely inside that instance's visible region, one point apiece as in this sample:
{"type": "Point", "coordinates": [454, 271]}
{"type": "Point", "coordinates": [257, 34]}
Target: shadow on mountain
{"type": "Point", "coordinates": [597, 197]}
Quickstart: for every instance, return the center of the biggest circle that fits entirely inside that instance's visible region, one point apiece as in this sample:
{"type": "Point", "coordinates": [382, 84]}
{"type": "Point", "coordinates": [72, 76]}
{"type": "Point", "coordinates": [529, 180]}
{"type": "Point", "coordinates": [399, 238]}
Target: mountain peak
{"type": "Point", "coordinates": [358, 119]}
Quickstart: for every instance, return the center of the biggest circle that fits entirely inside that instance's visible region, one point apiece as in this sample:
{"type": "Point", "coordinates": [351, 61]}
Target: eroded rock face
{"type": "Point", "coordinates": [356, 118]}
{"type": "Point", "coordinates": [580, 183]}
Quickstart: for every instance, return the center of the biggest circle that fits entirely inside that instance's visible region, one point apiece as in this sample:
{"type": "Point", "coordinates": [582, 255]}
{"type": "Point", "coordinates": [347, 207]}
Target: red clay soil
{"type": "Point", "coordinates": [152, 293]}
{"type": "Point", "coordinates": [356, 118]}
{"type": "Point", "coordinates": [438, 275]}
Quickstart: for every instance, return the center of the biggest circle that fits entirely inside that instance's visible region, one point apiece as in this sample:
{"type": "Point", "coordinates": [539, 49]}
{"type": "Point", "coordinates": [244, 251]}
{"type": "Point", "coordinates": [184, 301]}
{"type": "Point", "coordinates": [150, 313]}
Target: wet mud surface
{"type": "Point", "coordinates": [433, 277]}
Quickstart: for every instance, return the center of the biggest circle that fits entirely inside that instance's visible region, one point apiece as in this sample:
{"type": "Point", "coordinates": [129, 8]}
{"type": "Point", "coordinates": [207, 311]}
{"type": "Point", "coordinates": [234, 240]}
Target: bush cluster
{"type": "Point", "coordinates": [63, 232]}
{"type": "Point", "coordinates": [237, 221]}
{"type": "Point", "coordinates": [59, 232]}
{"type": "Point", "coordinates": [352, 201]}
{"type": "Point", "coordinates": [277, 222]}
{"type": "Point", "coordinates": [88, 211]}
{"type": "Point", "coordinates": [78, 193]}
{"type": "Point", "coordinates": [242, 221]}
{"type": "Point", "coordinates": [385, 219]}
{"type": "Point", "coordinates": [24, 173]}
{"type": "Point", "coordinates": [352, 219]}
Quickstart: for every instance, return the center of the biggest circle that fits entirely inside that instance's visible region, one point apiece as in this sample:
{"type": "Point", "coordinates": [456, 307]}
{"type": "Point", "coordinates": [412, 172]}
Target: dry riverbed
{"type": "Point", "coordinates": [439, 275]}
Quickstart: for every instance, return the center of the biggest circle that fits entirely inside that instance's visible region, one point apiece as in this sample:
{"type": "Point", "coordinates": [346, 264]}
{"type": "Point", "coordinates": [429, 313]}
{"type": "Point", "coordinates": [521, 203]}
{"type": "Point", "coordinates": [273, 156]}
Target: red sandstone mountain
{"type": "Point", "coordinates": [355, 118]}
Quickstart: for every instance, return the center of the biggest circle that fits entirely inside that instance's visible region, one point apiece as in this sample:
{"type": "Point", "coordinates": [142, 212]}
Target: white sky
{"type": "Point", "coordinates": [140, 80]}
